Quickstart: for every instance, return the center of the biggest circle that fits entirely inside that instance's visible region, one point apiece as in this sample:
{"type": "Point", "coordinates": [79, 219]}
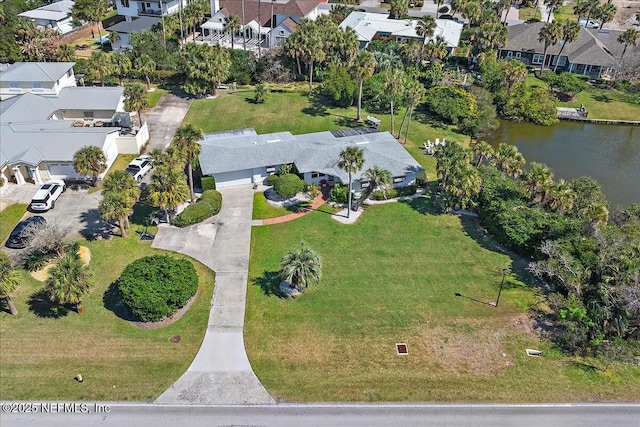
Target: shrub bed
{"type": "Point", "coordinates": [207, 206]}
{"type": "Point", "coordinates": [155, 287]}
{"type": "Point", "coordinates": [208, 183]}
{"type": "Point", "coordinates": [288, 185]}
{"type": "Point", "coordinates": [339, 193]}
{"type": "Point", "coordinates": [408, 190]}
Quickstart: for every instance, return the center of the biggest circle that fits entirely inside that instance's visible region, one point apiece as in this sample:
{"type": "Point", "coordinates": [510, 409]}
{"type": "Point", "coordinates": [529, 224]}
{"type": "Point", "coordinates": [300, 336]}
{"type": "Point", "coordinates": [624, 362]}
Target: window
{"type": "Point", "coordinates": [509, 54]}
{"type": "Point", "coordinates": [317, 175]}
{"type": "Point", "coordinates": [271, 169]}
{"type": "Point", "coordinates": [37, 86]}
{"type": "Point", "coordinates": [537, 59]}
{"type": "Point", "coordinates": [518, 54]}
{"type": "Point", "coordinates": [14, 86]}
{"type": "Point", "coordinates": [88, 115]}
{"type": "Point", "coordinates": [70, 72]}
{"type": "Point", "coordinates": [124, 3]}
{"type": "Point", "coordinates": [397, 179]}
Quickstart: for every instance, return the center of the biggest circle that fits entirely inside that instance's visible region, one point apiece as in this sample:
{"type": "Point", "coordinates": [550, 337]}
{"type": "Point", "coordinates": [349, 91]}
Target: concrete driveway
{"type": "Point", "coordinates": [78, 210]}
{"type": "Point", "coordinates": [165, 118]}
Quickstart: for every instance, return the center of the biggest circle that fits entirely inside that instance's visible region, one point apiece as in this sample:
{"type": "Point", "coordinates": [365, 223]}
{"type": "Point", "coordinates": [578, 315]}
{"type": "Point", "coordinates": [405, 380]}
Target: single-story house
{"type": "Point", "coordinates": [595, 53]}
{"type": "Point", "coordinates": [244, 157]}
{"type": "Point", "coordinates": [125, 28]}
{"type": "Point", "coordinates": [40, 134]}
{"type": "Point", "coordinates": [372, 26]}
{"type": "Point", "coordinates": [42, 78]}
{"type": "Point", "coordinates": [55, 15]}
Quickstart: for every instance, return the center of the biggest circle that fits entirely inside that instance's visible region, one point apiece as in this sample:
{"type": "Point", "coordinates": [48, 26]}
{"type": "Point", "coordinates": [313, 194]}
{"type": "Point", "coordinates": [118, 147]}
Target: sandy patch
{"type": "Point", "coordinates": [43, 273]}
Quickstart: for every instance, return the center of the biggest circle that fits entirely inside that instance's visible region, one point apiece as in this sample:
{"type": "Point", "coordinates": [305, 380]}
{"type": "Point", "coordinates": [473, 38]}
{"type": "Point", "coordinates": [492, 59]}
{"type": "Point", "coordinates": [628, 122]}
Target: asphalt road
{"type": "Point", "coordinates": [149, 415]}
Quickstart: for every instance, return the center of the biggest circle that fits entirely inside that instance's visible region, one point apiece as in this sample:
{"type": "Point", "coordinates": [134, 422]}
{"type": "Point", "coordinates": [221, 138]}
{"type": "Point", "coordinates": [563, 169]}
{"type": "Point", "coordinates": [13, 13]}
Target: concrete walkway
{"type": "Point", "coordinates": [164, 119]}
{"type": "Point", "coordinates": [220, 374]}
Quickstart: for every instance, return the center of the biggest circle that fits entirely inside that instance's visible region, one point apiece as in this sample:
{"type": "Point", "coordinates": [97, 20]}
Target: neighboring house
{"type": "Point", "coordinates": [125, 28]}
{"type": "Point", "coordinates": [40, 134]}
{"type": "Point", "coordinates": [595, 53]}
{"type": "Point", "coordinates": [132, 9]}
{"type": "Point", "coordinates": [372, 26]}
{"type": "Point", "coordinates": [55, 15]}
{"type": "Point", "coordinates": [244, 157]}
{"type": "Point", "coordinates": [42, 78]}
{"type": "Point", "coordinates": [262, 26]}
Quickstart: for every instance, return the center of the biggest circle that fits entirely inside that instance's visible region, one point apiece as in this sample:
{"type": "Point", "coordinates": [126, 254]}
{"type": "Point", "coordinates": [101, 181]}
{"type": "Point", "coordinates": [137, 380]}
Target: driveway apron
{"type": "Point", "coordinates": [220, 374]}
{"type": "Point", "coordinates": [164, 119]}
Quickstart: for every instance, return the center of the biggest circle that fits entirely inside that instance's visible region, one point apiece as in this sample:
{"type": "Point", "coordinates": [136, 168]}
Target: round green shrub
{"type": "Point", "coordinates": [208, 205]}
{"type": "Point", "coordinates": [339, 193]}
{"type": "Point", "coordinates": [155, 287]}
{"type": "Point", "coordinates": [288, 185]}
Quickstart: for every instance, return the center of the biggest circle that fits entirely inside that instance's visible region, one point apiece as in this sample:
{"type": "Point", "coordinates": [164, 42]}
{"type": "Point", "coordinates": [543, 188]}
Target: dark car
{"type": "Point", "coordinates": [18, 238]}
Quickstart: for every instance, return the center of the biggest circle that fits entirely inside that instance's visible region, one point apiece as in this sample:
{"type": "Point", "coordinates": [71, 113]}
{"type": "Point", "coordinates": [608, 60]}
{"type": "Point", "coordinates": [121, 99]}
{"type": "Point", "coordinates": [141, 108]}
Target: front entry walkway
{"type": "Point", "coordinates": [220, 374]}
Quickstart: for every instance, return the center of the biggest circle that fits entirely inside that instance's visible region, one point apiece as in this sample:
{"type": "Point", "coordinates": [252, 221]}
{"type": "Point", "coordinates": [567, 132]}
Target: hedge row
{"type": "Point", "coordinates": [207, 206]}
{"type": "Point", "coordinates": [208, 183]}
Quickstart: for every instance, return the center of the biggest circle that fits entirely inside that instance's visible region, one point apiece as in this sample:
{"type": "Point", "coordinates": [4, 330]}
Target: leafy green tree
{"type": "Point", "coordinates": [9, 281]}
{"type": "Point", "coordinates": [101, 64]}
{"type": "Point", "coordinates": [261, 93]}
{"type": "Point", "coordinates": [136, 99]}
{"type": "Point", "coordinates": [122, 65]}
{"type": "Point", "coordinates": [550, 35]}
{"type": "Point", "coordinates": [65, 53]}
{"type": "Point", "coordinates": [351, 161]}
{"type": "Point", "coordinates": [399, 8]}
{"type": "Point", "coordinates": [232, 26]}
{"type": "Point", "coordinates": [116, 206]}
{"type": "Point", "coordinates": [509, 160]}
{"type": "Point", "coordinates": [301, 267]}
{"type": "Point", "coordinates": [378, 178]}
{"type": "Point", "coordinates": [168, 189]}
{"type": "Point", "coordinates": [451, 103]}
{"type": "Point", "coordinates": [567, 83]}
{"type": "Point", "coordinates": [570, 32]}
{"type": "Point", "coordinates": [144, 65]}
{"type": "Point", "coordinates": [90, 11]}
{"type": "Point", "coordinates": [185, 142]}
{"type": "Point", "coordinates": [207, 64]}
{"type": "Point", "coordinates": [482, 122]}
{"type": "Point", "coordinates": [425, 29]}
{"type": "Point", "coordinates": [90, 160]}
{"type": "Point", "coordinates": [363, 66]}
{"type": "Point", "coordinates": [339, 86]}
{"type": "Point", "coordinates": [629, 37]}
{"type": "Point", "coordinates": [69, 280]}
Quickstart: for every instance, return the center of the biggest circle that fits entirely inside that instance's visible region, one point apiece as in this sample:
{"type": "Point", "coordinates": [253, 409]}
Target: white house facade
{"type": "Point", "coordinates": [56, 16]}
{"type": "Point", "coordinates": [132, 9]}
{"type": "Point", "coordinates": [42, 78]}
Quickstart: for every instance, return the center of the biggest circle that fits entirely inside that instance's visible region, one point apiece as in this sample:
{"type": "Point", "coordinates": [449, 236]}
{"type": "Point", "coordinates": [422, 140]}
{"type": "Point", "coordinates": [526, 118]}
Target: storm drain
{"type": "Point", "coordinates": [402, 349]}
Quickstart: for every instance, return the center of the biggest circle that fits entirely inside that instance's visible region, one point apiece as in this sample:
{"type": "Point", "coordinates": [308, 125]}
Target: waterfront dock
{"type": "Point", "coordinates": [581, 115]}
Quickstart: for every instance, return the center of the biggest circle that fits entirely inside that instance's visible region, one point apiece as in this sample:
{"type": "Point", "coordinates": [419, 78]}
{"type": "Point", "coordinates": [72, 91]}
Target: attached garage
{"type": "Point", "coordinates": [228, 179]}
{"type": "Point", "coordinates": [63, 170]}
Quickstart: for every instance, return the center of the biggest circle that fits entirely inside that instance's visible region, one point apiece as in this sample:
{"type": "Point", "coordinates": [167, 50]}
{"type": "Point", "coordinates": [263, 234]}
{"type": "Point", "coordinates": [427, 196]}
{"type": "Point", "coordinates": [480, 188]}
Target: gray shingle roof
{"type": "Point", "coordinates": [319, 152]}
{"type": "Point", "coordinates": [136, 26]}
{"type": "Point", "coordinates": [91, 98]}
{"type": "Point", "coordinates": [36, 71]}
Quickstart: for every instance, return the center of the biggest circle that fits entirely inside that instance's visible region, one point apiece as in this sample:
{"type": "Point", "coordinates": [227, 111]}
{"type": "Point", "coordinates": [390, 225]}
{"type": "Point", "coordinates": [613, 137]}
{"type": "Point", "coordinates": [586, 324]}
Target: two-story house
{"type": "Point", "coordinates": [42, 78]}
{"type": "Point", "coordinates": [132, 9]}
{"type": "Point", "coordinates": [56, 16]}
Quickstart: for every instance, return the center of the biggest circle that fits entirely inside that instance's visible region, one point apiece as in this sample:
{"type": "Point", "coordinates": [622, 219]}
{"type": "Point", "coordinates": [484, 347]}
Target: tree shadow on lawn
{"type": "Point", "coordinates": [41, 306]}
{"type": "Point", "coordinates": [425, 205]}
{"type": "Point", "coordinates": [112, 301]}
{"type": "Point", "coordinates": [601, 97]}
{"type": "Point", "coordinates": [95, 228]}
{"type": "Point", "coordinates": [269, 282]}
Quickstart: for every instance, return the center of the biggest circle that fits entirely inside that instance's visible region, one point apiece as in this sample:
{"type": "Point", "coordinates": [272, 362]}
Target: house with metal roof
{"type": "Point", "coordinates": [244, 157]}
{"type": "Point", "coordinates": [39, 134]}
{"type": "Point", "coordinates": [56, 16]}
{"type": "Point", "coordinates": [372, 26]}
{"type": "Point", "coordinates": [42, 78]}
{"type": "Point", "coordinates": [595, 53]}
{"type": "Point", "coordinates": [125, 28]}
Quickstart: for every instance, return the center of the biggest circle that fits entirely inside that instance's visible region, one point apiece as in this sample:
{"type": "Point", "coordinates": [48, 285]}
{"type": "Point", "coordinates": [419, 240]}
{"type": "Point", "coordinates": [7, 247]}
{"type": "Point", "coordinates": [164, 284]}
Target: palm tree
{"type": "Point", "coordinates": [570, 32]}
{"type": "Point", "coordinates": [136, 99]}
{"type": "Point", "coordinates": [377, 178]}
{"type": "Point", "coordinates": [564, 197]}
{"type": "Point", "coordinates": [465, 184]}
{"type": "Point", "coordinates": [629, 37]}
{"type": "Point", "coordinates": [438, 3]}
{"type": "Point", "coordinates": [436, 48]}
{"type": "Point", "coordinates": [394, 81]}
{"type": "Point", "coordinates": [145, 66]}
{"type": "Point", "coordinates": [122, 65]}
{"type": "Point", "coordinates": [472, 11]}
{"type": "Point", "coordinates": [121, 182]}
{"type": "Point", "coordinates": [9, 281]}
{"type": "Point", "coordinates": [509, 160]}
{"type": "Point", "coordinates": [515, 73]}
{"type": "Point", "coordinates": [301, 267]}
{"type": "Point", "coordinates": [232, 25]}
{"type": "Point", "coordinates": [68, 281]}
{"type": "Point", "coordinates": [414, 91]}
{"type": "Point", "coordinates": [116, 206]}
{"type": "Point", "coordinates": [387, 61]}
{"type": "Point", "coordinates": [185, 143]}
{"type": "Point", "coordinates": [539, 178]}
{"type": "Point", "coordinates": [363, 66]}
{"type": "Point", "coordinates": [491, 36]}
{"type": "Point", "coordinates": [450, 160]}
{"type": "Point", "coordinates": [425, 28]}
{"type": "Point", "coordinates": [586, 8]}
{"type": "Point", "coordinates": [457, 6]}
{"type": "Point", "coordinates": [169, 158]}
{"type": "Point", "coordinates": [101, 63]}
{"type": "Point", "coordinates": [168, 189]}
{"type": "Point", "coordinates": [260, 92]}
{"type": "Point", "coordinates": [482, 151]}
{"type": "Point", "coordinates": [90, 160]}
{"type": "Point", "coordinates": [351, 161]}
{"type": "Point", "coordinates": [552, 6]}
{"type": "Point", "coordinates": [399, 8]}
{"type": "Point", "coordinates": [549, 34]}
{"type": "Point", "coordinates": [90, 11]}
{"type": "Point", "coordinates": [605, 12]}
{"type": "Point", "coordinates": [65, 53]}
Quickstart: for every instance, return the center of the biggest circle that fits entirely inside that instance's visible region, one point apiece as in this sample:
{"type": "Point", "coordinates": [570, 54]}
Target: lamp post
{"type": "Point", "coordinates": [505, 271]}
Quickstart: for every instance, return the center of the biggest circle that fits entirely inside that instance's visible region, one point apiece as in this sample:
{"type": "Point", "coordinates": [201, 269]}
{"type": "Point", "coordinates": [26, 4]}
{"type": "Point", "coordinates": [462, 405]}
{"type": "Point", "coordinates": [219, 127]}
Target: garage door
{"type": "Point", "coordinates": [228, 179]}
{"type": "Point", "coordinates": [63, 170]}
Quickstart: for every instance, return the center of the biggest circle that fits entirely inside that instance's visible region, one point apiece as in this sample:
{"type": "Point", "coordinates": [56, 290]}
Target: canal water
{"type": "Point", "coordinates": [608, 153]}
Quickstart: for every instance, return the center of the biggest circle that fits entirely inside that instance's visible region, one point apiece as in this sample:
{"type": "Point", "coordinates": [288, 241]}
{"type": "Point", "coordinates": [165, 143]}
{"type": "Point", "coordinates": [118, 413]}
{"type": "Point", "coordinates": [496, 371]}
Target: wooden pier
{"type": "Point", "coordinates": [581, 115]}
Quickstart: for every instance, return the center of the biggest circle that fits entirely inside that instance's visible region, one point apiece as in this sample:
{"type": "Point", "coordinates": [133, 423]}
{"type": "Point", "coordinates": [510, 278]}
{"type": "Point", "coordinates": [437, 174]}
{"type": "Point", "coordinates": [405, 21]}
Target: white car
{"type": "Point", "coordinates": [590, 24]}
{"type": "Point", "coordinates": [46, 196]}
{"type": "Point", "coordinates": [139, 167]}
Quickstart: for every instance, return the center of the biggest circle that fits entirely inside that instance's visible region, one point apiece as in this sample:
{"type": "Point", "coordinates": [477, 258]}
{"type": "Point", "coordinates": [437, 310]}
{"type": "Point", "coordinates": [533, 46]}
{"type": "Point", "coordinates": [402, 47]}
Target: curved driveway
{"type": "Point", "coordinates": [220, 374]}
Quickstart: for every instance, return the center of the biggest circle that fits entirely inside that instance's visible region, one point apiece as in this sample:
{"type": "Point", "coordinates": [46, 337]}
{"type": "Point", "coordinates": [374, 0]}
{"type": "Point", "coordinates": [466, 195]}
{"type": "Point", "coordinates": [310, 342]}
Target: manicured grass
{"type": "Point", "coordinates": [297, 113]}
{"type": "Point", "coordinates": [41, 355]}
{"type": "Point", "coordinates": [527, 13]}
{"type": "Point", "coordinates": [9, 217]}
{"type": "Point", "coordinates": [606, 104]}
{"type": "Point", "coordinates": [391, 278]}
{"type": "Point", "coordinates": [263, 210]}
{"type": "Point", "coordinates": [155, 96]}
{"type": "Point", "coordinates": [565, 13]}
{"type": "Point", "coordinates": [119, 164]}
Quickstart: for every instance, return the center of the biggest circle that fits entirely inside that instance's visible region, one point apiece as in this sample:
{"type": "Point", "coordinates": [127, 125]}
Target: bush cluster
{"type": "Point", "coordinates": [287, 185]}
{"type": "Point", "coordinates": [339, 194]}
{"type": "Point", "coordinates": [207, 206]}
{"type": "Point", "coordinates": [157, 286]}
{"type": "Point", "coordinates": [208, 183]}
{"type": "Point", "coordinates": [390, 193]}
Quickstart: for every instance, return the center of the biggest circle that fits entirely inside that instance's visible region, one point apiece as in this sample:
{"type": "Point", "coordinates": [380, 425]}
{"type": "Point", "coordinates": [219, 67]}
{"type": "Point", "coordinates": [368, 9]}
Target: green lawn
{"type": "Point", "coordinates": [119, 164]}
{"type": "Point", "coordinates": [297, 113]}
{"type": "Point", "coordinates": [41, 355]}
{"type": "Point", "coordinates": [391, 278]}
{"type": "Point", "coordinates": [565, 13]}
{"type": "Point", "coordinates": [527, 13]}
{"type": "Point", "coordinates": [606, 104]}
{"type": "Point", "coordinates": [9, 217]}
{"type": "Point", "coordinates": [155, 96]}
{"type": "Point", "coordinates": [263, 210]}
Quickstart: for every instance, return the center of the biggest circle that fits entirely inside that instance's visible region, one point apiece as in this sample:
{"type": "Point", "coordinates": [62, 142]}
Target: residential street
{"type": "Point", "coordinates": [348, 415]}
